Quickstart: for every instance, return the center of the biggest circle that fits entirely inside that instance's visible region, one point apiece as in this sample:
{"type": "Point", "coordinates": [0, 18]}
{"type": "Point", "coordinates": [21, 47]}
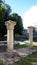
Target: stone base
{"type": "Point", "coordinates": [11, 54]}
{"type": "Point", "coordinates": [30, 48]}
{"type": "Point", "coordinates": [23, 52]}
{"type": "Point", "coordinates": [9, 58]}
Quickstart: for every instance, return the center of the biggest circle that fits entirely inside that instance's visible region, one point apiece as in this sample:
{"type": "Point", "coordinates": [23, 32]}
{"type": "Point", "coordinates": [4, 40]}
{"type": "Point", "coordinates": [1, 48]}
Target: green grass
{"type": "Point", "coordinates": [29, 60]}
{"type": "Point", "coordinates": [20, 46]}
{"type": "Point", "coordinates": [1, 62]}
{"type": "Point", "coordinates": [16, 46]}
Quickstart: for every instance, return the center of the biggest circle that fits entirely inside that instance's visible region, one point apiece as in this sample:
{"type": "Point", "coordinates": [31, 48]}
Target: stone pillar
{"type": "Point", "coordinates": [30, 36]}
{"type": "Point", "coordinates": [10, 38]}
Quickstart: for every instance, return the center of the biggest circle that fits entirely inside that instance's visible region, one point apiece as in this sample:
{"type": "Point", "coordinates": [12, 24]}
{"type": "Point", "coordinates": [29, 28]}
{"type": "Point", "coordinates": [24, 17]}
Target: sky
{"type": "Point", "coordinates": [27, 9]}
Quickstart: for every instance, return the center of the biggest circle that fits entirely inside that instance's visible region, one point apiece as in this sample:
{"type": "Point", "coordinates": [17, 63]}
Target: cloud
{"type": "Point", "coordinates": [30, 17]}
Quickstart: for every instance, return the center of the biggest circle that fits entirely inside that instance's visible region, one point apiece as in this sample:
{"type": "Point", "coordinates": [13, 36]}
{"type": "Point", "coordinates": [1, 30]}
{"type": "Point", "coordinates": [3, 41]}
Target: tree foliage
{"type": "Point", "coordinates": [4, 13]}
{"type": "Point", "coordinates": [19, 26]}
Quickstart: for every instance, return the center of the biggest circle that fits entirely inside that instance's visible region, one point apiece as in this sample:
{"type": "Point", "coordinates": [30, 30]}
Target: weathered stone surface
{"type": "Point", "coordinates": [7, 59]}
{"type": "Point", "coordinates": [10, 38]}
{"type": "Point", "coordinates": [30, 36]}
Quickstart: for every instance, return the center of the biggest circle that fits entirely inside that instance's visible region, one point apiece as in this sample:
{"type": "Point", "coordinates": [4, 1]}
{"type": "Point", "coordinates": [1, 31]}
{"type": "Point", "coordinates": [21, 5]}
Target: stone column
{"type": "Point", "coordinates": [10, 38]}
{"type": "Point", "coordinates": [30, 36]}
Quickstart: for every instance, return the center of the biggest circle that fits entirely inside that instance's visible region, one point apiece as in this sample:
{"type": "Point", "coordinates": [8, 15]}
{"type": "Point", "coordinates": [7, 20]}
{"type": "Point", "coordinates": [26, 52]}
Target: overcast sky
{"type": "Point", "coordinates": [27, 9]}
{"type": "Point", "coordinates": [30, 17]}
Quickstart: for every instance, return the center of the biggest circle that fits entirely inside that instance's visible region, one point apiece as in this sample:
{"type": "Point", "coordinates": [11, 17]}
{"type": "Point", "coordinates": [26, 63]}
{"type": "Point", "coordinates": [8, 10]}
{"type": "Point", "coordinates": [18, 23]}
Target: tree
{"type": "Point", "coordinates": [1, 2]}
{"type": "Point", "coordinates": [5, 10]}
{"type": "Point", "coordinates": [19, 26]}
{"type": "Point", "coordinates": [4, 13]}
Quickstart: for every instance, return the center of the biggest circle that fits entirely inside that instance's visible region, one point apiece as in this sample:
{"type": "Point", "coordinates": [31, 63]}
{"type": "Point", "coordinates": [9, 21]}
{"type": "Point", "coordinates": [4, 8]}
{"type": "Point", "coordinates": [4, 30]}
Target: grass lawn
{"type": "Point", "coordinates": [21, 46]}
{"type": "Point", "coordinates": [24, 45]}
{"type": "Point", "coordinates": [1, 62]}
{"type": "Point", "coordinates": [29, 60]}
